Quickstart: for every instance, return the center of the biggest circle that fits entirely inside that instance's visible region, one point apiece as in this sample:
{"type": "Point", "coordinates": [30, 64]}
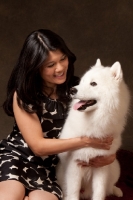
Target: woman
{"type": "Point", "coordinates": [38, 94]}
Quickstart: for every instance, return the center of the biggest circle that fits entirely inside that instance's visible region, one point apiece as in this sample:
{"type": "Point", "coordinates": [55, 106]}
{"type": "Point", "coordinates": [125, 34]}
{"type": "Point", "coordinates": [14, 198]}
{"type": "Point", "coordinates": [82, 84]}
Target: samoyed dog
{"type": "Point", "coordinates": [99, 109]}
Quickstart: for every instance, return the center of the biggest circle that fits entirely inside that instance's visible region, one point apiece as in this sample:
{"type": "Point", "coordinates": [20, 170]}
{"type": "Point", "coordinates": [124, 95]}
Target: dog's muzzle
{"type": "Point", "coordinates": [82, 105]}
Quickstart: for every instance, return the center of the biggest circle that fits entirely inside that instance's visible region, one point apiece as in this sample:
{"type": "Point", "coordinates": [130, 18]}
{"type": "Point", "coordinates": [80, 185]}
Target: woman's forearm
{"type": "Point", "coordinates": [55, 146]}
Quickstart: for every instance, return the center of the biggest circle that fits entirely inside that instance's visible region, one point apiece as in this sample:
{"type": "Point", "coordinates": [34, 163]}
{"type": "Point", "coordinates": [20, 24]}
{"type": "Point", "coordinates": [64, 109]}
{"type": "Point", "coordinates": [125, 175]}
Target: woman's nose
{"type": "Point", "coordinates": [59, 67]}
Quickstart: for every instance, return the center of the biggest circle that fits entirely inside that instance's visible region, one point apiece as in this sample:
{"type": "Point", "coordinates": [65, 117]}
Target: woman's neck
{"type": "Point", "coordinates": [50, 92]}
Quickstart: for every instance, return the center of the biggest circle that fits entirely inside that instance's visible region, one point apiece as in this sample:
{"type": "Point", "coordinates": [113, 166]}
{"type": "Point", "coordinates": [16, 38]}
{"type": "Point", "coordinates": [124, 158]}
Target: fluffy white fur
{"type": "Point", "coordinates": [106, 117]}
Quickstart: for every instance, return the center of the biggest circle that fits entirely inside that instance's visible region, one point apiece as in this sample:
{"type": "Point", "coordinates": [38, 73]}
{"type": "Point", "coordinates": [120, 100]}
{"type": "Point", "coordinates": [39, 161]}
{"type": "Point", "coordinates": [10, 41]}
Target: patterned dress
{"type": "Point", "coordinates": [18, 162]}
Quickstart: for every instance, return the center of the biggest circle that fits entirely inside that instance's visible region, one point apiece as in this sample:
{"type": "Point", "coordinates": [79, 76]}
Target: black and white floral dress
{"type": "Point", "coordinates": [18, 162]}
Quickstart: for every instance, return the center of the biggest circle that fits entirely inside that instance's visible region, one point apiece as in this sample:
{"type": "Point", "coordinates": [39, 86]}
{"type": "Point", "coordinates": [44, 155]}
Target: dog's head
{"type": "Point", "coordinates": [98, 87]}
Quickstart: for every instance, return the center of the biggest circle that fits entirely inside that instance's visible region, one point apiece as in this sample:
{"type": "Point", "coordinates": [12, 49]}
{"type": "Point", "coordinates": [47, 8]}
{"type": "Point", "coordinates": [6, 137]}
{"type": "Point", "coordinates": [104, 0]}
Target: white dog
{"type": "Point", "coordinates": [99, 109]}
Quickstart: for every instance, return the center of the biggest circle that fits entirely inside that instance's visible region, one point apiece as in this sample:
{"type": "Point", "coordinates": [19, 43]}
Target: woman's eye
{"type": "Point", "coordinates": [63, 58]}
{"type": "Point", "coordinates": [51, 65]}
{"type": "Point", "coordinates": [93, 83]}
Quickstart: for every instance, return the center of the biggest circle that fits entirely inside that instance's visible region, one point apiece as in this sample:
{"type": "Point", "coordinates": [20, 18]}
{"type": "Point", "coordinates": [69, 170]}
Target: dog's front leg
{"type": "Point", "coordinates": [72, 182]}
{"type": "Point", "coordinates": [99, 183]}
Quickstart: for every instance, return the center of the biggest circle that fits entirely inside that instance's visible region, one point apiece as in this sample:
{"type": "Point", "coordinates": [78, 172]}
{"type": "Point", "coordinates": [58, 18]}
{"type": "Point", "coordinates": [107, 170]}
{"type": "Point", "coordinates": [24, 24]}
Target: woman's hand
{"type": "Point", "coordinates": [99, 161]}
{"type": "Point", "coordinates": [97, 143]}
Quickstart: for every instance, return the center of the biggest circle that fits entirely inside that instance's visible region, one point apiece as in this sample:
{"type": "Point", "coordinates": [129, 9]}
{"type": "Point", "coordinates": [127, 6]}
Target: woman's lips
{"type": "Point", "coordinates": [62, 75]}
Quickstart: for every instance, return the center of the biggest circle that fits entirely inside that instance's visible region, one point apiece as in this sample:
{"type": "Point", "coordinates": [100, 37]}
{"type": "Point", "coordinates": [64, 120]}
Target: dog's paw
{"type": "Point", "coordinates": [117, 191]}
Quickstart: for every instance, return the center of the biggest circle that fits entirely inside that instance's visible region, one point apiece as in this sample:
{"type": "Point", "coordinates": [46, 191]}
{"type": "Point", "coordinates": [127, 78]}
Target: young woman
{"type": "Point", "coordinates": [38, 94]}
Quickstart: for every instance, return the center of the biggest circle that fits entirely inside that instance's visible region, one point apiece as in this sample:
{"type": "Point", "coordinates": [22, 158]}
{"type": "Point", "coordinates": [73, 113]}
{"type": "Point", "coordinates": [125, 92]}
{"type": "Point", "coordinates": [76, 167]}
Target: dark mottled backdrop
{"type": "Point", "coordinates": [91, 28]}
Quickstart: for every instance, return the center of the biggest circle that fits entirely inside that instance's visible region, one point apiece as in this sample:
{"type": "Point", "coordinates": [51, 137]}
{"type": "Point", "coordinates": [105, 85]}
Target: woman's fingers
{"type": "Point", "coordinates": [82, 163]}
{"type": "Point", "coordinates": [98, 161]}
{"type": "Point", "coordinates": [101, 161]}
{"type": "Point", "coordinates": [103, 143]}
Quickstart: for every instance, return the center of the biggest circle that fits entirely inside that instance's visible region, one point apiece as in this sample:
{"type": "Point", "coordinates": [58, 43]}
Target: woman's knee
{"type": "Point", "coordinates": [26, 198]}
{"type": "Point", "coordinates": [41, 194]}
{"type": "Point", "coordinates": [11, 189]}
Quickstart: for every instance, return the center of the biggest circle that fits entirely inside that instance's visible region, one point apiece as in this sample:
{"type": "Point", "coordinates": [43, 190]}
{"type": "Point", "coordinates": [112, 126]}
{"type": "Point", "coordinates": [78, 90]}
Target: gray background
{"type": "Point", "coordinates": [91, 28]}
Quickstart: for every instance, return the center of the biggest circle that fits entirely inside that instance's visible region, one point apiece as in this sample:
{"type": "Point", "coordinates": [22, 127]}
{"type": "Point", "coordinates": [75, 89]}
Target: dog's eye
{"type": "Point", "coordinates": [93, 83]}
{"type": "Point", "coordinates": [73, 91]}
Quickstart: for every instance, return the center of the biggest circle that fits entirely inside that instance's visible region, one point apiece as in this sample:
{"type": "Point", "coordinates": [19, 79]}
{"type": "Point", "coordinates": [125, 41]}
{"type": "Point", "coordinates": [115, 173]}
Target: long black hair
{"type": "Point", "coordinates": [25, 78]}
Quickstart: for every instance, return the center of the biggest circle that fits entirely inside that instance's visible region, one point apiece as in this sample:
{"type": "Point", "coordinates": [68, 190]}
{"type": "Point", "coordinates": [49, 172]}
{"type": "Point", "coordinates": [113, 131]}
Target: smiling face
{"type": "Point", "coordinates": [54, 69]}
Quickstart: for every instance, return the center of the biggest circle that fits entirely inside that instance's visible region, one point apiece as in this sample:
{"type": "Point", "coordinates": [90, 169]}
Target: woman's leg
{"type": "Point", "coordinates": [11, 189]}
{"type": "Point", "coordinates": [41, 195]}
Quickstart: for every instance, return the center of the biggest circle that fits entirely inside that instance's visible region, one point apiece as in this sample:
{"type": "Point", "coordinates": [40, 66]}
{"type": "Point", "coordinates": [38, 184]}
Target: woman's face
{"type": "Point", "coordinates": [54, 69]}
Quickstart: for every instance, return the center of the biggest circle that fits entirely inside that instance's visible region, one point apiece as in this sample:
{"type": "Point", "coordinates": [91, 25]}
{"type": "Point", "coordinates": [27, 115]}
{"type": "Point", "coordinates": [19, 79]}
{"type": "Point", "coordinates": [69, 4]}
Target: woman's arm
{"type": "Point", "coordinates": [31, 130]}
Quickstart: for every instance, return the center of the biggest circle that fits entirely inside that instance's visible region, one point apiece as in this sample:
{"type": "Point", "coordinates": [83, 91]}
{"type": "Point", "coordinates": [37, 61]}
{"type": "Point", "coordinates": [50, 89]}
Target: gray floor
{"type": "Point", "coordinates": [91, 28]}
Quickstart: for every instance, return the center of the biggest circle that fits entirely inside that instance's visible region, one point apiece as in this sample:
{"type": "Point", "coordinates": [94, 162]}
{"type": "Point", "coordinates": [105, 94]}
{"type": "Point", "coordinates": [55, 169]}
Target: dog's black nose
{"type": "Point", "coordinates": [73, 90]}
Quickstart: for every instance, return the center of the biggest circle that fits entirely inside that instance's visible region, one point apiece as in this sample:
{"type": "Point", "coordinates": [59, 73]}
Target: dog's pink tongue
{"type": "Point", "coordinates": [78, 105]}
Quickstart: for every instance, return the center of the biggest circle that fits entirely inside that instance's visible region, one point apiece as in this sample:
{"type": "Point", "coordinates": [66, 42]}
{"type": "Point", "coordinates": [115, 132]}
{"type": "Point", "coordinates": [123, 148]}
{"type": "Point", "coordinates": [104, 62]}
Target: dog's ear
{"type": "Point", "coordinates": [117, 71]}
{"type": "Point", "coordinates": [98, 62]}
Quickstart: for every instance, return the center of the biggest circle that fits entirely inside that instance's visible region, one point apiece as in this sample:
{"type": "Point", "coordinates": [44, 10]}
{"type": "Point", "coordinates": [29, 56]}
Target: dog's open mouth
{"type": "Point", "coordinates": [82, 105]}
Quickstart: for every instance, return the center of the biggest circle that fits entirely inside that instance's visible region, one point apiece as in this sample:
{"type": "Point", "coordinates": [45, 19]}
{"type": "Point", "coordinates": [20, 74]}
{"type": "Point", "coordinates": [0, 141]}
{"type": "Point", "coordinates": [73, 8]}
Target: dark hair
{"type": "Point", "coordinates": [25, 78]}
